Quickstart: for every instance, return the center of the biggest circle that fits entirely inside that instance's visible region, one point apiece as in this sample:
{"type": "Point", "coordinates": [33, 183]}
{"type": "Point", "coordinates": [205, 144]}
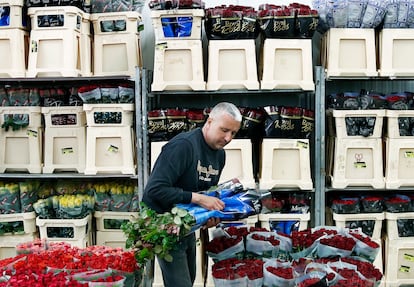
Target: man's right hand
{"type": "Point", "coordinates": [208, 202]}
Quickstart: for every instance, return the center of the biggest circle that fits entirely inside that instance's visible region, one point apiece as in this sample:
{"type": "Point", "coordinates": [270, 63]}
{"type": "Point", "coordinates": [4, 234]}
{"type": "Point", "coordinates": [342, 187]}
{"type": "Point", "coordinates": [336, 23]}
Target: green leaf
{"type": "Point", "coordinates": [157, 249]}
{"type": "Point", "coordinates": [168, 258]}
{"type": "Point", "coordinates": [182, 212]}
{"type": "Point", "coordinates": [177, 220]}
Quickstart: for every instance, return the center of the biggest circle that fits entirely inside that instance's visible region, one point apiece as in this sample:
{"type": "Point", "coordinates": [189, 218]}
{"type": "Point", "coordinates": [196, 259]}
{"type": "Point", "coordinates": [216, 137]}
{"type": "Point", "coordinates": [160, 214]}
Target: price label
{"type": "Point", "coordinates": [32, 133]}
{"type": "Point", "coordinates": [409, 257]}
{"type": "Point", "coordinates": [113, 148]}
{"type": "Point", "coordinates": [409, 154]}
{"type": "Point", "coordinates": [404, 269]}
{"type": "Point", "coordinates": [360, 164]}
{"type": "Point", "coordinates": [302, 144]}
{"type": "Point", "coordinates": [67, 150]}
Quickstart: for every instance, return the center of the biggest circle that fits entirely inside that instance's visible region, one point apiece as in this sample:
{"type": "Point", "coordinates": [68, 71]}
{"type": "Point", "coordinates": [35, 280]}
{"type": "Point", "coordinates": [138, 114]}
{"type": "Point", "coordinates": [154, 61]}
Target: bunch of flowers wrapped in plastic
{"type": "Point", "coordinates": [154, 234]}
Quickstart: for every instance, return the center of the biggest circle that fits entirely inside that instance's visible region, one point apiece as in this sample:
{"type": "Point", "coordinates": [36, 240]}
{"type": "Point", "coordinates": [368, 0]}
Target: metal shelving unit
{"type": "Point", "coordinates": [78, 81]}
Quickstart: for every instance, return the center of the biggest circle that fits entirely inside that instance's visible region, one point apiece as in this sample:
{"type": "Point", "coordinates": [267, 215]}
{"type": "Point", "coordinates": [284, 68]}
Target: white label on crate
{"type": "Point", "coordinates": [409, 257]}
{"type": "Point", "coordinates": [32, 133]}
{"type": "Point", "coordinates": [113, 148]}
{"type": "Point", "coordinates": [302, 144]}
{"type": "Point", "coordinates": [161, 46]}
{"type": "Point", "coordinates": [67, 150]}
{"type": "Point", "coordinates": [405, 269]}
{"type": "Point", "coordinates": [409, 154]}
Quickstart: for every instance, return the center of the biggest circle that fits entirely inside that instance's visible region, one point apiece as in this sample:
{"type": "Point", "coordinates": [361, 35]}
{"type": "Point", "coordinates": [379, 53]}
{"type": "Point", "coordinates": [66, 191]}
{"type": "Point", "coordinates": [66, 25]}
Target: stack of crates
{"type": "Point", "coordinates": [65, 139]}
{"type": "Point", "coordinates": [59, 42]}
{"type": "Point", "coordinates": [21, 149]}
{"type": "Point", "coordinates": [399, 249]}
{"type": "Point", "coordinates": [9, 241]}
{"type": "Point", "coordinates": [14, 36]}
{"type": "Point", "coordinates": [355, 160]}
{"type": "Point", "coordinates": [109, 139]}
{"type": "Point", "coordinates": [116, 43]}
{"type": "Point", "coordinates": [399, 152]}
{"type": "Point", "coordinates": [108, 227]}
{"type": "Point", "coordinates": [76, 232]}
{"type": "Point", "coordinates": [178, 55]}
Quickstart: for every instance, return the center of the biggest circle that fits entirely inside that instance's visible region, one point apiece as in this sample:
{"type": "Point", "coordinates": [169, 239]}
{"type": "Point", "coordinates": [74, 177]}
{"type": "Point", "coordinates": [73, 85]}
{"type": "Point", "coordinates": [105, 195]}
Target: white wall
{"type": "Point", "coordinates": [147, 36]}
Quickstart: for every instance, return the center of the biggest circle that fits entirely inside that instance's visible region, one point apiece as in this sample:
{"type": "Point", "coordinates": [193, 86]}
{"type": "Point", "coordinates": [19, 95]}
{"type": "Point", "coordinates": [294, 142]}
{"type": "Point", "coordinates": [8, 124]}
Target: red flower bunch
{"type": "Point", "coordinates": [351, 278]}
{"type": "Point", "coordinates": [365, 239]}
{"type": "Point", "coordinates": [32, 269]}
{"type": "Point", "coordinates": [367, 269]}
{"type": "Point", "coordinates": [242, 231]}
{"type": "Point", "coordinates": [339, 241]}
{"type": "Point", "coordinates": [305, 238]}
{"type": "Point", "coordinates": [221, 243]}
{"type": "Point", "coordinates": [282, 272]}
{"type": "Point", "coordinates": [272, 239]}
{"type": "Point", "coordinates": [233, 268]}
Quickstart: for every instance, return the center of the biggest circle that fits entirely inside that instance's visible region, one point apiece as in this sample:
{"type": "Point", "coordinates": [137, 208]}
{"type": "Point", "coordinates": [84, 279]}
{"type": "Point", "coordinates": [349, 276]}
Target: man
{"type": "Point", "coordinates": [189, 163]}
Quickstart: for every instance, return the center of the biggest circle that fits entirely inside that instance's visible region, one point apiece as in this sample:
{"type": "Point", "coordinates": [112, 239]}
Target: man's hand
{"type": "Point", "coordinates": [211, 222]}
{"type": "Point", "coordinates": [208, 202]}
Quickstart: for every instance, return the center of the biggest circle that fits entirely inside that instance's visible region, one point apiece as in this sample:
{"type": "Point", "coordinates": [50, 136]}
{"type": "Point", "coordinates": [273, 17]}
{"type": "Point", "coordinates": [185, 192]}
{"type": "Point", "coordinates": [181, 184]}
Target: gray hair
{"type": "Point", "coordinates": [228, 108]}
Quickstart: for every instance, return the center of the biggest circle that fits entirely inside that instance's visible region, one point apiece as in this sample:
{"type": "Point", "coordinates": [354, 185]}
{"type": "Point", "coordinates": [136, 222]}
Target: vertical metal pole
{"type": "Point", "coordinates": [145, 148]}
{"type": "Point", "coordinates": [320, 171]}
{"type": "Point", "coordinates": [139, 130]}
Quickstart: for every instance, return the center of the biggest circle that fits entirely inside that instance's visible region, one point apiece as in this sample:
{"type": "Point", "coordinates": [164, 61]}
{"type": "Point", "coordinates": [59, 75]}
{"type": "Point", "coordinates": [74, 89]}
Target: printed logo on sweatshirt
{"type": "Point", "coordinates": [204, 173]}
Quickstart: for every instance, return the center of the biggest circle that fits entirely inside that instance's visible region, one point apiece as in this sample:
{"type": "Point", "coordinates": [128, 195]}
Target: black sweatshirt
{"type": "Point", "coordinates": [186, 164]}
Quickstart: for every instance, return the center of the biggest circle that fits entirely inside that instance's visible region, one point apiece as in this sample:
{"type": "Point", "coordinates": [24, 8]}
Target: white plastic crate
{"type": "Point", "coordinates": [70, 17]}
{"type": "Point", "coordinates": [174, 16]}
{"type": "Point", "coordinates": [21, 150]}
{"type": "Point", "coordinates": [399, 262]}
{"type": "Point", "coordinates": [64, 139]}
{"type": "Point", "coordinates": [287, 64]}
{"type": "Point", "coordinates": [399, 162]}
{"type": "Point", "coordinates": [232, 65]}
{"type": "Point", "coordinates": [13, 65]}
{"type": "Point", "coordinates": [102, 216]}
{"type": "Point", "coordinates": [303, 219]}
{"type": "Point", "coordinates": [395, 47]}
{"type": "Point", "coordinates": [178, 65]}
{"type": "Point", "coordinates": [8, 243]}
{"type": "Point", "coordinates": [81, 230]}
{"type": "Point", "coordinates": [27, 218]}
{"type": "Point", "coordinates": [239, 163]}
{"type": "Point", "coordinates": [349, 52]}
{"type": "Point", "coordinates": [17, 15]}
{"type": "Point", "coordinates": [358, 162]}
{"type": "Point", "coordinates": [393, 128]}
{"type": "Point", "coordinates": [340, 116]}
{"type": "Point", "coordinates": [342, 220]}
{"type": "Point", "coordinates": [113, 239]}
{"type": "Point", "coordinates": [392, 224]}
{"type": "Point", "coordinates": [110, 150]}
{"type": "Point", "coordinates": [120, 115]}
{"type": "Point", "coordinates": [198, 282]}
{"type": "Point", "coordinates": [55, 53]}
{"type": "Point", "coordinates": [66, 149]}
{"type": "Point", "coordinates": [295, 170]}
